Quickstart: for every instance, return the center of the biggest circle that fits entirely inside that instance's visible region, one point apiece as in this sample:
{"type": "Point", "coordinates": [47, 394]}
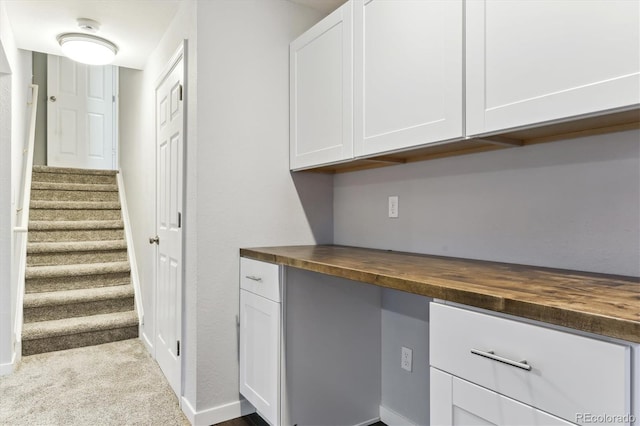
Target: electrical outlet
{"type": "Point", "coordinates": [393, 206]}
{"type": "Point", "coordinates": [407, 359]}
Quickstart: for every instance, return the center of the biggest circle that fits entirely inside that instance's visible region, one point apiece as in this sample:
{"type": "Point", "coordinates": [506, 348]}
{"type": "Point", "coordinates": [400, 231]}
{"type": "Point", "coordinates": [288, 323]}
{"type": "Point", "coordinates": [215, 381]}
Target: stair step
{"type": "Point", "coordinates": [44, 284]}
{"type": "Point", "coordinates": [75, 246]}
{"type": "Point", "coordinates": [75, 205]}
{"type": "Point", "coordinates": [76, 252]}
{"type": "Point", "coordinates": [58, 214]}
{"type": "Point", "coordinates": [76, 235]}
{"type": "Point", "coordinates": [68, 170]}
{"type": "Point", "coordinates": [73, 178]}
{"type": "Point", "coordinates": [39, 225]}
{"type": "Point", "coordinates": [77, 303]}
{"type": "Point", "coordinates": [65, 195]}
{"type": "Point", "coordinates": [54, 271]}
{"type": "Point", "coordinates": [62, 186]}
{"type": "Point", "coordinates": [47, 336]}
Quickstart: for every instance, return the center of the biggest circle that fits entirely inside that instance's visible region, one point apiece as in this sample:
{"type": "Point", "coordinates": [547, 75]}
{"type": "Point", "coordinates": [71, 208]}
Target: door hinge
{"type": "Point", "coordinates": [178, 348]}
{"type": "Point", "coordinates": [113, 98]}
{"type": "Point", "coordinates": [180, 92]}
{"type": "Point", "coordinates": [179, 220]}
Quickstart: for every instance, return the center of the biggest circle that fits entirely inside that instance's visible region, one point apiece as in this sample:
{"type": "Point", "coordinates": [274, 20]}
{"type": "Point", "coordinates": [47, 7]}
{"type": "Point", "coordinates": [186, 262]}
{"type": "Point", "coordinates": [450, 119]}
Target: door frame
{"type": "Point", "coordinates": [179, 54]}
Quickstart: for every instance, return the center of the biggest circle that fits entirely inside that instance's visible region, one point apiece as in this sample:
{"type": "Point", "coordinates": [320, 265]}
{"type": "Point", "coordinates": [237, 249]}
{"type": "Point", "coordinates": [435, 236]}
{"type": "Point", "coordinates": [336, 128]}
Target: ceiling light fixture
{"type": "Point", "coordinates": [87, 48]}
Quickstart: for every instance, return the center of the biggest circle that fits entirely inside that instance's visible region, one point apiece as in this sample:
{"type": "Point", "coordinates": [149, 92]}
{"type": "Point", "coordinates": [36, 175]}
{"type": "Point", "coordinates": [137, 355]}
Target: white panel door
{"type": "Point", "coordinates": [407, 73]}
{"type": "Point", "coordinates": [80, 115]}
{"type": "Point", "coordinates": [456, 402]}
{"type": "Point", "coordinates": [260, 354]}
{"type": "Point", "coordinates": [321, 92]}
{"type": "Point", "coordinates": [530, 62]}
{"type": "Point", "coordinates": [169, 152]}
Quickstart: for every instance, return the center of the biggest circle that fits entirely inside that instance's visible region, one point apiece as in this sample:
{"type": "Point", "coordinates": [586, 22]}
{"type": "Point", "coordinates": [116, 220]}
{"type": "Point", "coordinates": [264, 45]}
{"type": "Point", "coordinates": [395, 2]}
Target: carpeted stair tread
{"type": "Point", "coordinates": [77, 325]}
{"type": "Point", "coordinates": [78, 289]}
{"type": "Point", "coordinates": [66, 297]}
{"type": "Point", "coordinates": [47, 169]}
{"type": "Point", "coordinates": [53, 271]}
{"type": "Point", "coordinates": [75, 205]}
{"type": "Point", "coordinates": [75, 246]}
{"type": "Point", "coordinates": [69, 214]}
{"type": "Point", "coordinates": [38, 225]}
{"type": "Point", "coordinates": [62, 186]}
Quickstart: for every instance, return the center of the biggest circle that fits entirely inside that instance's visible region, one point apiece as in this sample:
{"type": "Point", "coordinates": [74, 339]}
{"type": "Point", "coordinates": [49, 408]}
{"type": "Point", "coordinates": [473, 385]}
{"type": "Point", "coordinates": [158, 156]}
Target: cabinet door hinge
{"type": "Point", "coordinates": [179, 220]}
{"type": "Point", "coordinates": [180, 91]}
{"type": "Point", "coordinates": [178, 348]}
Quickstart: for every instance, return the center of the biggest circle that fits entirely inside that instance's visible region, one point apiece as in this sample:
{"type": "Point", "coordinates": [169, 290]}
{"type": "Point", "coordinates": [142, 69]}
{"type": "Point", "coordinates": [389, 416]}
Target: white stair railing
{"type": "Point", "coordinates": [22, 221]}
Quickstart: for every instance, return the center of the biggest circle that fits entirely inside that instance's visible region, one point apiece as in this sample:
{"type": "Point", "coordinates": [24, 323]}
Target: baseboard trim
{"type": "Point", "coordinates": [218, 414]}
{"type": "Point", "coordinates": [391, 418]}
{"type": "Point", "coordinates": [6, 369]}
{"type": "Point", "coordinates": [368, 422]}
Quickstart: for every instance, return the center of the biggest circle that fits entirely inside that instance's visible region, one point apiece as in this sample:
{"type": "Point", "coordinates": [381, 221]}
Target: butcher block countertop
{"type": "Point", "coordinates": [603, 304]}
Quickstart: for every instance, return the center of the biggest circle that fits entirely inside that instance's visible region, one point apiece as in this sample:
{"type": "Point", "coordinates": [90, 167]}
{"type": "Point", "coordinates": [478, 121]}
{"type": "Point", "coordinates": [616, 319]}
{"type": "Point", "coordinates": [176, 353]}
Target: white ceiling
{"type": "Point", "coordinates": [135, 26]}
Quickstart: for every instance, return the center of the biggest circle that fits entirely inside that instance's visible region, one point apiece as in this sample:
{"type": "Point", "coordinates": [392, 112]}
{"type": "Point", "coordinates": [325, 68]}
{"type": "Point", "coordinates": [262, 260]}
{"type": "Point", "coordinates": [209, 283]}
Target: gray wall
{"type": "Point", "coordinates": [40, 78]}
{"type": "Point", "coordinates": [572, 204]}
{"type": "Point", "coordinates": [405, 322]}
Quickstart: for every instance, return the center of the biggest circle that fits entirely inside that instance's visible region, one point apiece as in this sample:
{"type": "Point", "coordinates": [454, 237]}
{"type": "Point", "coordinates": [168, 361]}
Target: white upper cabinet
{"type": "Point", "coordinates": [531, 62]}
{"type": "Point", "coordinates": [321, 92]}
{"type": "Point", "coordinates": [408, 73]}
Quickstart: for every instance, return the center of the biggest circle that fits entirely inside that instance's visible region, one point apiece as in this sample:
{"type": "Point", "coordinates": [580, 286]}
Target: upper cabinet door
{"type": "Point", "coordinates": [531, 62]}
{"type": "Point", "coordinates": [407, 73]}
{"type": "Point", "coordinates": [321, 80]}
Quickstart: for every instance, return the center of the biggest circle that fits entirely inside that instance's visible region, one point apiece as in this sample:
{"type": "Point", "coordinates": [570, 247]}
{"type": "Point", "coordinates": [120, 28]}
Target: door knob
{"type": "Point", "coordinates": [154, 240]}
{"type": "Point", "coordinates": [52, 98]}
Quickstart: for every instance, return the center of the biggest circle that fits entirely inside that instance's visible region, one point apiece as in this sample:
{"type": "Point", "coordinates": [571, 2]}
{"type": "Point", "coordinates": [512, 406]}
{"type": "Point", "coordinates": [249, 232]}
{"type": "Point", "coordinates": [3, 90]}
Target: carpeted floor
{"type": "Point", "coordinates": [111, 384]}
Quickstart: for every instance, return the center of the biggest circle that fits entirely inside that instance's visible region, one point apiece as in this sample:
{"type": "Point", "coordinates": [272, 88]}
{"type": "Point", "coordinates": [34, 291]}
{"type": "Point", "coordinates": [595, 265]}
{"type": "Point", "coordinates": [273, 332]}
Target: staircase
{"type": "Point", "coordinates": [78, 288]}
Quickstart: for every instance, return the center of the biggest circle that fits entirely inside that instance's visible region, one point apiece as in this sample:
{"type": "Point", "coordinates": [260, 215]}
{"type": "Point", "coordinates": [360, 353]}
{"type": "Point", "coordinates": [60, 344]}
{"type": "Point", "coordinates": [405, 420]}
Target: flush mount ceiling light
{"type": "Point", "coordinates": [87, 48]}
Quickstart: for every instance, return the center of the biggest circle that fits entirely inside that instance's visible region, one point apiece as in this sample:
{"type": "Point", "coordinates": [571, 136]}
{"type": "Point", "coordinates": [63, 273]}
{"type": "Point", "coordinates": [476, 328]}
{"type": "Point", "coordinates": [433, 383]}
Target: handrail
{"type": "Point", "coordinates": [23, 223]}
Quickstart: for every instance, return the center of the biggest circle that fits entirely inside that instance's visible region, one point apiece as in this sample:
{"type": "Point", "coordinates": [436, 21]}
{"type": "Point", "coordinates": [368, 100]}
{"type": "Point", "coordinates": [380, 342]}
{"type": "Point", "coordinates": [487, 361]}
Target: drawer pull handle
{"type": "Point", "coordinates": [491, 355]}
{"type": "Point", "coordinates": [254, 278]}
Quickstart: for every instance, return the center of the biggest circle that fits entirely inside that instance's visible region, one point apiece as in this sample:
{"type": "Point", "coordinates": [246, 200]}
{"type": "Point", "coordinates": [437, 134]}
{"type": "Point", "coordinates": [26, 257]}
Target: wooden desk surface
{"type": "Point", "coordinates": [598, 303]}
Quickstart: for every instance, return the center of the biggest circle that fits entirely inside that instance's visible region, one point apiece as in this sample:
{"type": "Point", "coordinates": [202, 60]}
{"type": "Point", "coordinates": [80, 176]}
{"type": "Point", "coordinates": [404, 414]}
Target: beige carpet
{"type": "Point", "coordinates": [111, 384]}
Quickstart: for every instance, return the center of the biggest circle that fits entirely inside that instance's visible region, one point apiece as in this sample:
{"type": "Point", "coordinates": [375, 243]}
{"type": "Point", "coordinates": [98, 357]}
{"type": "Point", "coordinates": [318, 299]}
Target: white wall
{"type": "Point", "coordinates": [15, 92]}
{"type": "Point", "coordinates": [137, 163]}
{"type": "Point", "coordinates": [246, 196]}
{"type": "Point", "coordinates": [239, 192]}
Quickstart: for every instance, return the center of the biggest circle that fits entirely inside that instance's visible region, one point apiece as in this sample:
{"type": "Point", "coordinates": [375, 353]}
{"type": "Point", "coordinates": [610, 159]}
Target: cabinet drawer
{"type": "Point", "coordinates": [261, 278]}
{"type": "Point", "coordinates": [569, 375]}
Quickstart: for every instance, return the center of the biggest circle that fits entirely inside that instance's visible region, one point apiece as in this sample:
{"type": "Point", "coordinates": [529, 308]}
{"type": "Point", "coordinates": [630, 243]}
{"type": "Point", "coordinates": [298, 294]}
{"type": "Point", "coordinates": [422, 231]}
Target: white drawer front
{"type": "Point", "coordinates": [571, 376]}
{"type": "Point", "coordinates": [261, 278]}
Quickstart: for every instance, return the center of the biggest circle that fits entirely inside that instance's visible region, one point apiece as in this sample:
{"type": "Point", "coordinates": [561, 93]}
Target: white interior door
{"type": "Point", "coordinates": [80, 114]}
{"type": "Point", "coordinates": [169, 144]}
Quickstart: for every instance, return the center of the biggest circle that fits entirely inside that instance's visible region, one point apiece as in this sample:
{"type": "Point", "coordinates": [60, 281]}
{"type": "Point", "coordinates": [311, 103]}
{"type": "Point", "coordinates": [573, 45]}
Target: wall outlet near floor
{"type": "Point", "coordinates": [393, 206]}
{"type": "Point", "coordinates": [407, 359]}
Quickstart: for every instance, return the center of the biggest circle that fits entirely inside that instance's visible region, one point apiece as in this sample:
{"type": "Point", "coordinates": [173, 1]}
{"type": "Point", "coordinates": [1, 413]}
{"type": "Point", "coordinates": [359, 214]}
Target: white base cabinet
{"type": "Point", "coordinates": [461, 403]}
{"type": "Point", "coordinates": [260, 337]}
{"type": "Point", "coordinates": [309, 346]}
{"type": "Point", "coordinates": [518, 367]}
